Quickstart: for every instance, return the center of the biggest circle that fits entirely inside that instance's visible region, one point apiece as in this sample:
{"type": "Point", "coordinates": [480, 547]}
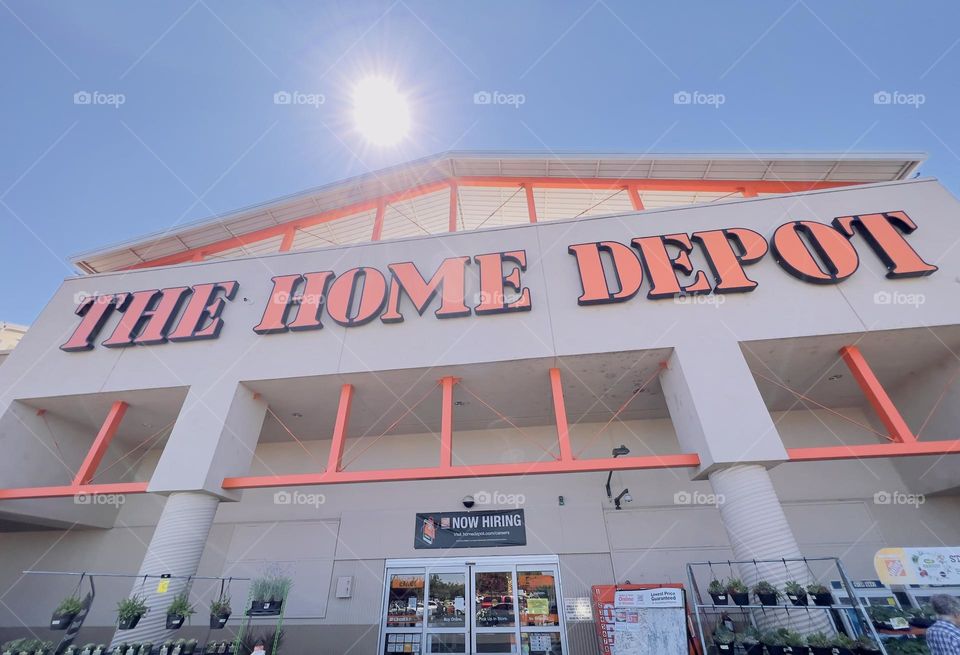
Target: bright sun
{"type": "Point", "coordinates": [380, 111]}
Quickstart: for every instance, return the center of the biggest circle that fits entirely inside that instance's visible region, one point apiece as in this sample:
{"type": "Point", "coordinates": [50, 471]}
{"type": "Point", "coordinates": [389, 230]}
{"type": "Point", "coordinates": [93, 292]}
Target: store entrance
{"type": "Point", "coordinates": [484, 605]}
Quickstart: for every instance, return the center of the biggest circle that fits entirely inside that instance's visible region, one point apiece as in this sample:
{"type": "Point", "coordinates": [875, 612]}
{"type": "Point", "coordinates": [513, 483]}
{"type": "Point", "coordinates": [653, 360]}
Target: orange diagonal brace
{"type": "Point", "coordinates": [454, 194]}
{"type": "Point", "coordinates": [560, 412]}
{"type": "Point", "coordinates": [887, 412]}
{"type": "Point", "coordinates": [531, 204]}
{"type": "Point", "coordinates": [446, 422]}
{"type": "Point", "coordinates": [378, 221]}
{"type": "Point", "coordinates": [635, 200]}
{"type": "Point", "coordinates": [335, 461]}
{"type": "Point", "coordinates": [101, 443]}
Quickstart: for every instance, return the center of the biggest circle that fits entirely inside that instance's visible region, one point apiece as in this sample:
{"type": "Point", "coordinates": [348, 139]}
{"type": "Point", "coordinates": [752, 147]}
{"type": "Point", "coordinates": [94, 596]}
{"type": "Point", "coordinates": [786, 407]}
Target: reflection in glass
{"type": "Point", "coordinates": [405, 601]}
{"type": "Point", "coordinates": [448, 643]}
{"type": "Point", "coordinates": [447, 605]}
{"type": "Point", "coordinates": [541, 643]}
{"type": "Point", "coordinates": [496, 642]}
{"type": "Point", "coordinates": [494, 599]}
{"type": "Point", "coordinates": [537, 598]}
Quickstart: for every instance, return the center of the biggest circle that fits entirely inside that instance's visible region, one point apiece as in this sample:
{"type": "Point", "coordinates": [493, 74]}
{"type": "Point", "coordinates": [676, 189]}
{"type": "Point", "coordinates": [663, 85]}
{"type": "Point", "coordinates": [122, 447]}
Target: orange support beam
{"type": "Point", "coordinates": [868, 451]}
{"type": "Point", "coordinates": [66, 491]}
{"type": "Point", "coordinates": [454, 196]}
{"type": "Point", "coordinates": [531, 205]}
{"type": "Point", "coordinates": [378, 221]}
{"type": "Point", "coordinates": [635, 200]}
{"type": "Point", "coordinates": [335, 460]}
{"type": "Point", "coordinates": [446, 422]}
{"type": "Point", "coordinates": [288, 237]}
{"type": "Point", "coordinates": [897, 428]}
{"type": "Point", "coordinates": [560, 412]}
{"type": "Point", "coordinates": [748, 192]}
{"type": "Point", "coordinates": [99, 448]}
{"type": "Point", "coordinates": [612, 184]}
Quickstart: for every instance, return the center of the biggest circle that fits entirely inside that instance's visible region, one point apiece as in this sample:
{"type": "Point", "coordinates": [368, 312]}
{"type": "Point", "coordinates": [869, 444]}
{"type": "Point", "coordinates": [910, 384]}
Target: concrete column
{"type": "Point", "coordinates": [176, 548]}
{"type": "Point", "coordinates": [758, 529]}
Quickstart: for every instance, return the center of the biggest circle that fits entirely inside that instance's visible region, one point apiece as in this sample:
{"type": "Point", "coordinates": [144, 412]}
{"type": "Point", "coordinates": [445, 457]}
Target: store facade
{"type": "Point", "coordinates": [447, 437]}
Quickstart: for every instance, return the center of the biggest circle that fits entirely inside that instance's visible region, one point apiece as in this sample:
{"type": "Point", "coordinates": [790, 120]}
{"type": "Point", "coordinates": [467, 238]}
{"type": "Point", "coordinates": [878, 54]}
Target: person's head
{"type": "Point", "coordinates": [946, 607]}
{"type": "Point", "coordinates": [259, 646]}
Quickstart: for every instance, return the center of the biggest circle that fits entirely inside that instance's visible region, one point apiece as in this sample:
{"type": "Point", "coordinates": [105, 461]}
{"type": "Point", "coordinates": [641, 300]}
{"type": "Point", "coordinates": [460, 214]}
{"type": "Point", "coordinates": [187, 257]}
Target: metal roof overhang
{"type": "Point", "coordinates": [847, 168]}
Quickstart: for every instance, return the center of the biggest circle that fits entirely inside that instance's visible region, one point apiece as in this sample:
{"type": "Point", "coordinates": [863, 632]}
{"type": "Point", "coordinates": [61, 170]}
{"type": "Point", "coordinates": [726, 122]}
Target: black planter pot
{"type": "Point", "coordinates": [719, 599]}
{"type": "Point", "coordinates": [753, 649]}
{"type": "Point", "coordinates": [821, 650]}
{"type": "Point", "coordinates": [823, 600]}
{"type": "Point", "coordinates": [265, 608]}
{"type": "Point", "coordinates": [921, 622]}
{"type": "Point", "coordinates": [62, 621]}
{"type": "Point", "coordinates": [129, 624]}
{"type": "Point", "coordinates": [866, 651]}
{"type": "Point", "coordinates": [839, 650]}
{"type": "Point", "coordinates": [218, 621]}
{"type": "Point", "coordinates": [174, 621]}
{"type": "Point", "coordinates": [800, 601]}
{"type": "Point", "coordinates": [740, 598]}
{"type": "Point", "coordinates": [767, 599]}
{"type": "Point", "coordinates": [724, 649]}
{"type": "Point", "coordinates": [776, 650]}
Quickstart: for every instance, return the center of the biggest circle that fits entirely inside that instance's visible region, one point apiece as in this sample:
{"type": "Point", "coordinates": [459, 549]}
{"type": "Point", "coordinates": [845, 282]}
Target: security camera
{"type": "Point", "coordinates": [467, 501]}
{"type": "Point", "coordinates": [624, 496]}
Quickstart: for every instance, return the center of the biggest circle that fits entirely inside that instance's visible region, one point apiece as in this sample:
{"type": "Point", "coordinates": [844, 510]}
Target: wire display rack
{"type": "Point", "coordinates": [749, 610]}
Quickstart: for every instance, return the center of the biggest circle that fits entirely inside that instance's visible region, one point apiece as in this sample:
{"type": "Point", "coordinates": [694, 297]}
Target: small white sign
{"type": "Point", "coordinates": [578, 608]}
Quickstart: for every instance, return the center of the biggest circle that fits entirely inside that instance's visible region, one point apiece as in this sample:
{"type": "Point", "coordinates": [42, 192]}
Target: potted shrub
{"type": "Point", "coordinates": [775, 641]}
{"type": "Point", "coordinates": [219, 612]}
{"type": "Point", "coordinates": [178, 646]}
{"type": "Point", "coordinates": [820, 643]}
{"type": "Point", "coordinates": [718, 592]}
{"type": "Point", "coordinates": [749, 641]}
{"type": "Point", "coordinates": [190, 647]}
{"type": "Point", "coordinates": [738, 591]}
{"type": "Point", "coordinates": [146, 649]}
{"type": "Point", "coordinates": [921, 617]}
{"type": "Point", "coordinates": [844, 645]}
{"type": "Point", "coordinates": [821, 595]}
{"type": "Point", "coordinates": [100, 649]}
{"type": "Point", "coordinates": [180, 608]}
{"type": "Point", "coordinates": [796, 593]}
{"type": "Point", "coordinates": [120, 648]}
{"type": "Point", "coordinates": [888, 617]}
{"type": "Point", "coordinates": [87, 649]}
{"type": "Point", "coordinates": [65, 613]}
{"type": "Point", "coordinates": [268, 595]}
{"type": "Point", "coordinates": [796, 642]}
{"type": "Point", "coordinates": [129, 612]}
{"type": "Point", "coordinates": [723, 640]}
{"type": "Point", "coordinates": [166, 648]}
{"type": "Point", "coordinates": [867, 646]}
{"type": "Point", "coordinates": [766, 593]}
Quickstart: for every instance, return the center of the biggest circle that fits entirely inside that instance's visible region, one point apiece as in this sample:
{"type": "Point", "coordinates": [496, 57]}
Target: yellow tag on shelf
{"type": "Point", "coordinates": [163, 586]}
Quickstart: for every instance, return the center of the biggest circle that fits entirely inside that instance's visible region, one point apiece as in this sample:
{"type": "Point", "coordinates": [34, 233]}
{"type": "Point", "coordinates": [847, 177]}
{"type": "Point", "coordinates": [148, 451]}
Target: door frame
{"type": "Point", "coordinates": [468, 564]}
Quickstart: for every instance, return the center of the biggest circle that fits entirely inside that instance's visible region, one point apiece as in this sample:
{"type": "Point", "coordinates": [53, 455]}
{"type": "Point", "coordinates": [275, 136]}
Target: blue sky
{"type": "Point", "coordinates": [198, 131]}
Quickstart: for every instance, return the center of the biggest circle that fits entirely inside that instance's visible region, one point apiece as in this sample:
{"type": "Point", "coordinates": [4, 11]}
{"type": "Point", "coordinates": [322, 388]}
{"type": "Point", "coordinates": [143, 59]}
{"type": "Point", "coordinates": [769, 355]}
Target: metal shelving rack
{"type": "Point", "coordinates": [702, 608]}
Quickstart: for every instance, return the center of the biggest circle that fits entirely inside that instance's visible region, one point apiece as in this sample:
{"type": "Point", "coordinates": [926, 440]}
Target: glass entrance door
{"type": "Point", "coordinates": [473, 607]}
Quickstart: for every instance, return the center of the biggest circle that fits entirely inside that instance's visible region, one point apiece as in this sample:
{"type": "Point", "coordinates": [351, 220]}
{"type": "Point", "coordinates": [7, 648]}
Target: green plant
{"type": "Point", "coordinates": [69, 605]}
{"type": "Point", "coordinates": [131, 607]}
{"type": "Point", "coordinates": [716, 587]}
{"type": "Point", "coordinates": [881, 613]}
{"type": "Point", "coordinates": [24, 645]}
{"type": "Point", "coordinates": [736, 586]}
{"type": "Point", "coordinates": [180, 606]}
{"type": "Point", "coordinates": [843, 641]}
{"type": "Point", "coordinates": [776, 637]}
{"type": "Point", "coordinates": [817, 588]}
{"type": "Point", "coordinates": [250, 640]}
{"type": "Point", "coordinates": [867, 643]}
{"type": "Point", "coordinates": [794, 638]}
{"type": "Point", "coordinates": [794, 588]}
{"type": "Point", "coordinates": [764, 587]}
{"type": "Point", "coordinates": [723, 636]}
{"type": "Point", "coordinates": [220, 605]}
{"type": "Point", "coordinates": [819, 640]}
{"type": "Point", "coordinates": [749, 637]}
{"type": "Point", "coordinates": [271, 588]}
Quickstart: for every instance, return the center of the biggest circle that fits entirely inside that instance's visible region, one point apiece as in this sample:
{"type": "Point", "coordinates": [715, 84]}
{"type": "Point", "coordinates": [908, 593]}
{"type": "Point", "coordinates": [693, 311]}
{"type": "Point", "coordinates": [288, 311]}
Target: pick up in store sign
{"type": "Point", "coordinates": [816, 253]}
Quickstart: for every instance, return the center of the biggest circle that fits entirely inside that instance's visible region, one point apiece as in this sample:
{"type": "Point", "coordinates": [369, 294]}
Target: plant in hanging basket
{"type": "Point", "coordinates": [718, 592]}
{"type": "Point", "coordinates": [867, 646]}
{"type": "Point", "coordinates": [65, 613]}
{"type": "Point", "coordinates": [820, 643]}
{"type": "Point", "coordinates": [268, 594]}
{"type": "Point", "coordinates": [180, 610]}
{"type": "Point", "coordinates": [130, 611]}
{"type": "Point", "coordinates": [821, 595]}
{"type": "Point", "coordinates": [219, 612]}
{"type": "Point", "coordinates": [844, 645]}
{"type": "Point", "coordinates": [749, 641]}
{"type": "Point", "coordinates": [796, 593]}
{"type": "Point", "coordinates": [723, 640]}
{"type": "Point", "coordinates": [738, 591]}
{"type": "Point", "coordinates": [775, 641]}
{"type": "Point", "coordinates": [766, 593]}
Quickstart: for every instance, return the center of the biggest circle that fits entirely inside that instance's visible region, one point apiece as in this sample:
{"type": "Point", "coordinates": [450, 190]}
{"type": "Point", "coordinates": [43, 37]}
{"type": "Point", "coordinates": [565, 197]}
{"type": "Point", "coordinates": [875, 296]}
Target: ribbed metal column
{"type": "Point", "coordinates": [758, 529]}
{"type": "Point", "coordinates": [176, 548]}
